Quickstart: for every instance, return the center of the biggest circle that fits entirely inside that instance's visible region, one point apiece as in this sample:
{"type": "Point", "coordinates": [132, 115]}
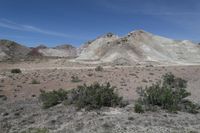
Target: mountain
{"type": "Point", "coordinates": [135, 47]}
{"type": "Point", "coordinates": [139, 46]}
{"type": "Point", "coordinates": [94, 50]}
{"type": "Point", "coordinates": [10, 50]}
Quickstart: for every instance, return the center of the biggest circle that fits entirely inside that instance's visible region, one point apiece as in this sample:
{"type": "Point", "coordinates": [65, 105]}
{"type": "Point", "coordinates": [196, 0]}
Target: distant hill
{"type": "Point", "coordinates": [139, 46]}
{"type": "Point", "coordinates": [10, 50]}
{"type": "Point", "coordinates": [59, 51]}
{"type": "Point", "coordinates": [136, 47]}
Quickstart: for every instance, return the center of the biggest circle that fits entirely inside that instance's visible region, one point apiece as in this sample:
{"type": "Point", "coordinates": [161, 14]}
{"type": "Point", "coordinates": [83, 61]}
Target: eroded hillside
{"type": "Point", "coordinates": [140, 46]}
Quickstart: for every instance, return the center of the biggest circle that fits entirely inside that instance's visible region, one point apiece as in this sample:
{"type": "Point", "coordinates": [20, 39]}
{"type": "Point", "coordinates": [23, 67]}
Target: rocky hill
{"type": "Point", "coordinates": [10, 50]}
{"type": "Point", "coordinates": [136, 47]}
{"type": "Point", "coordinates": [140, 46]}
{"type": "Point", "coordinates": [94, 50]}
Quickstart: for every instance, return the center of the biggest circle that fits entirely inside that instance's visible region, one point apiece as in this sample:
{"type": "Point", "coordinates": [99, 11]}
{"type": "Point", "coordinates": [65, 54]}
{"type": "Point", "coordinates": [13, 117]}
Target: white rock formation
{"type": "Point", "coordinates": [140, 46]}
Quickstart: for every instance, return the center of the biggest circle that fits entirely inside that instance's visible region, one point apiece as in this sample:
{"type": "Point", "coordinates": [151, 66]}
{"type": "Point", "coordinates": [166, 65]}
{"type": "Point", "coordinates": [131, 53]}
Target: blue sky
{"type": "Point", "coordinates": [54, 22]}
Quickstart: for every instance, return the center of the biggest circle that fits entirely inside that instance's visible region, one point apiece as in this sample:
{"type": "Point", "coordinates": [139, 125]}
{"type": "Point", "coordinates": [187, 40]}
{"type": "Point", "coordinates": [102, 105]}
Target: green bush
{"type": "Point", "coordinates": [36, 130]}
{"type": "Point", "coordinates": [75, 79]}
{"type": "Point", "coordinates": [99, 68]}
{"type": "Point", "coordinates": [94, 96]}
{"type": "Point", "coordinates": [3, 97]}
{"type": "Point", "coordinates": [169, 94]}
{"type": "Point", "coordinates": [138, 108]}
{"type": "Point", "coordinates": [169, 80]}
{"type": "Point", "coordinates": [34, 81]}
{"type": "Point", "coordinates": [52, 98]}
{"type": "Point", "coordinates": [16, 70]}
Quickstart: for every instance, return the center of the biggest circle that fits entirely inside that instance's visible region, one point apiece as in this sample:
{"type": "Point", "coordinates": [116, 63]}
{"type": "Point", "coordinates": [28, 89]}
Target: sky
{"type": "Point", "coordinates": [55, 22]}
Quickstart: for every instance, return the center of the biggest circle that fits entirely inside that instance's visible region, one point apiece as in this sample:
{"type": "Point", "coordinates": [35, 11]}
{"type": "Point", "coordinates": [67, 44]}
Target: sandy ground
{"type": "Point", "coordinates": [56, 74]}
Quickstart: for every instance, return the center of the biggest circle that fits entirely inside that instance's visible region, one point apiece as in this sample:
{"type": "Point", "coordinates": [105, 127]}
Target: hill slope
{"type": "Point", "coordinates": [140, 46]}
{"type": "Point", "coordinates": [95, 49]}
{"type": "Point", "coordinates": [10, 50]}
{"type": "Point", "coordinates": [59, 51]}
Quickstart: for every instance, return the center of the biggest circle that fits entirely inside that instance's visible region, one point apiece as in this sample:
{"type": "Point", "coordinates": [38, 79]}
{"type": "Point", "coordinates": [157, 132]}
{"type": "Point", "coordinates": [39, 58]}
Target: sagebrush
{"type": "Point", "coordinates": [36, 130]}
{"type": "Point", "coordinates": [75, 79]}
{"type": "Point", "coordinates": [169, 94]}
{"type": "Point", "coordinates": [52, 98]}
{"type": "Point", "coordinates": [34, 81]}
{"type": "Point", "coordinates": [93, 96]}
{"type": "Point", "coordinates": [99, 68]}
{"type": "Point", "coordinates": [16, 70]}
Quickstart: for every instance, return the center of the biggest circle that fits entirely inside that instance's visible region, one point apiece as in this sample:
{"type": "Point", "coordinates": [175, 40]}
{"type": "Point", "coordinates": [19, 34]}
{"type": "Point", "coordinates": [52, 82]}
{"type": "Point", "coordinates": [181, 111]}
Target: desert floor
{"type": "Point", "coordinates": [22, 109]}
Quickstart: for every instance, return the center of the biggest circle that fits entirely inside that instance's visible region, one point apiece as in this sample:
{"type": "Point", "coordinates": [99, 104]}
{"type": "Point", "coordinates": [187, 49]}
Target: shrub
{"type": "Point", "coordinates": [16, 70]}
{"type": "Point", "coordinates": [75, 79]}
{"type": "Point", "coordinates": [90, 74]}
{"type": "Point", "coordinates": [52, 98]}
{"type": "Point", "coordinates": [169, 80]}
{"type": "Point", "coordinates": [99, 68]}
{"type": "Point", "coordinates": [3, 97]}
{"type": "Point", "coordinates": [138, 108]}
{"type": "Point", "coordinates": [36, 130]}
{"type": "Point", "coordinates": [169, 94]}
{"type": "Point", "coordinates": [94, 96]}
{"type": "Point", "coordinates": [34, 81]}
